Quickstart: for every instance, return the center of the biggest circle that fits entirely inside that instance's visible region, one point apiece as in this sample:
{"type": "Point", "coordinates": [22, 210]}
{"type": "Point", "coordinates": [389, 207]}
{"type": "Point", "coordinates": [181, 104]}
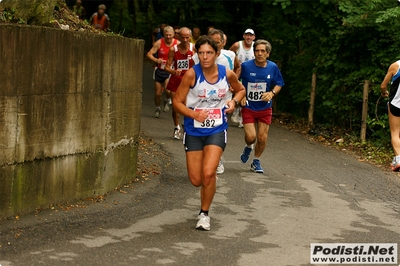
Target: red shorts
{"type": "Point", "coordinates": [173, 83]}
{"type": "Point", "coordinates": [251, 117]}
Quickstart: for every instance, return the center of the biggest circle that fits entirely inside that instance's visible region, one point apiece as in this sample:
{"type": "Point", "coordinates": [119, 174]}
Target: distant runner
{"type": "Point", "coordinates": [179, 61]}
{"type": "Point", "coordinates": [160, 76]}
{"type": "Point", "coordinates": [244, 52]}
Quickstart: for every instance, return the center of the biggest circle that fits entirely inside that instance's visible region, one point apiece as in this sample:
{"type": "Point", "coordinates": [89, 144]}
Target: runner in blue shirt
{"type": "Point", "coordinates": [203, 98]}
{"type": "Point", "coordinates": [262, 80]}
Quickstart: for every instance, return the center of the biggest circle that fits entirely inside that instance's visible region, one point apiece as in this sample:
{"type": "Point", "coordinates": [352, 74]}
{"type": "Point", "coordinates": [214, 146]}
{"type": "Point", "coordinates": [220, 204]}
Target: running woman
{"type": "Point", "coordinates": [203, 98]}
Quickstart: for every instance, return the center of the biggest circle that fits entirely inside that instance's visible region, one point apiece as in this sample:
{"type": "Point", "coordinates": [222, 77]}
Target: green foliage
{"type": "Point", "coordinates": [345, 47]}
{"type": "Point", "coordinates": [7, 16]}
{"type": "Point", "coordinates": [124, 24]}
{"type": "Point", "coordinates": [344, 42]}
{"type": "Point", "coordinates": [391, 13]}
{"type": "Point", "coordinates": [379, 129]}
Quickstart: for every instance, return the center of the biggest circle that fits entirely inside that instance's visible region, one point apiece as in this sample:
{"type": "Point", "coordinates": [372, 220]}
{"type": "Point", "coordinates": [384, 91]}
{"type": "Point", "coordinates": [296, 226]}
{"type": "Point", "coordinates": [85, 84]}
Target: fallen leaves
{"type": "Point", "coordinates": [148, 147]}
{"type": "Point", "coordinates": [94, 199]}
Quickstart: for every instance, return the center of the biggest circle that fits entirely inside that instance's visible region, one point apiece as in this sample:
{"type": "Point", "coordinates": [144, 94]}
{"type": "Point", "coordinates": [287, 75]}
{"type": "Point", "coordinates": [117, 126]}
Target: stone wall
{"type": "Point", "coordinates": [70, 105]}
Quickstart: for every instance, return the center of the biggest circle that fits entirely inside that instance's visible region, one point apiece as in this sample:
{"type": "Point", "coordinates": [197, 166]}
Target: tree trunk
{"type": "Point", "coordinates": [34, 12]}
{"type": "Point", "coordinates": [312, 101]}
{"type": "Point", "coordinates": [135, 18]}
{"type": "Point", "coordinates": [364, 113]}
{"type": "Point", "coordinates": [150, 22]}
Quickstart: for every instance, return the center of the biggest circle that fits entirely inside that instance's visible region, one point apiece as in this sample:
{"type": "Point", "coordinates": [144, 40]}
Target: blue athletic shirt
{"type": "Point", "coordinates": [258, 80]}
{"type": "Point", "coordinates": [213, 97]}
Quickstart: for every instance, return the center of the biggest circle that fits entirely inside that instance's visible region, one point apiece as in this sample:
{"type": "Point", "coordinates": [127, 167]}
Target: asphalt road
{"type": "Point", "coordinates": [308, 194]}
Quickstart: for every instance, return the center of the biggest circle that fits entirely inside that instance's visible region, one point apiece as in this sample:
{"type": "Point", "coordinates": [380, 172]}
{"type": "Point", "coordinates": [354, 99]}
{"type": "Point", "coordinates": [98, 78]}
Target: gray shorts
{"type": "Point", "coordinates": [194, 143]}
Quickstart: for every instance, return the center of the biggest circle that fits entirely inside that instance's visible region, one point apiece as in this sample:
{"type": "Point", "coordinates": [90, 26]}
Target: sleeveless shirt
{"type": "Point", "coordinates": [213, 97]}
{"type": "Point", "coordinates": [243, 54]}
{"type": "Point", "coordinates": [163, 52]}
{"type": "Point", "coordinates": [181, 62]}
{"type": "Point", "coordinates": [394, 88]}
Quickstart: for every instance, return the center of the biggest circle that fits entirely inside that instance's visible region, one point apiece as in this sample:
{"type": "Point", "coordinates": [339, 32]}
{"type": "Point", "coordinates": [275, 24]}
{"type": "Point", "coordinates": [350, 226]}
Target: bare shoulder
{"type": "Point", "coordinates": [234, 47]}
{"type": "Point", "coordinates": [156, 46]}
{"type": "Point", "coordinates": [190, 73]}
{"type": "Point", "coordinates": [188, 79]}
{"type": "Point", "coordinates": [394, 67]}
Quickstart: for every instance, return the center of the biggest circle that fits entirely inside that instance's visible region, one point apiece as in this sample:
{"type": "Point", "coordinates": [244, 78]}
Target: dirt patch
{"type": "Point", "coordinates": [64, 18]}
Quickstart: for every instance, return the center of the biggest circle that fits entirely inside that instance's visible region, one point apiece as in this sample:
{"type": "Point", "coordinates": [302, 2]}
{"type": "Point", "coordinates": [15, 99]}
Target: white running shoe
{"type": "Point", "coordinates": [166, 107]}
{"type": "Point", "coordinates": [203, 223]}
{"type": "Point", "coordinates": [177, 134]}
{"type": "Point", "coordinates": [170, 101]}
{"type": "Point", "coordinates": [157, 113]}
{"type": "Point", "coordinates": [240, 122]}
{"type": "Point", "coordinates": [235, 116]}
{"type": "Point", "coordinates": [220, 167]}
{"type": "Point", "coordinates": [395, 164]}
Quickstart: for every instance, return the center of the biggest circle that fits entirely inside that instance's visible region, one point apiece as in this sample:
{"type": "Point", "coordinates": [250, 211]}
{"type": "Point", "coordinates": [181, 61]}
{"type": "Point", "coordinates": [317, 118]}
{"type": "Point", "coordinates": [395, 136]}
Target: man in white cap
{"type": "Point", "coordinates": [244, 52]}
{"type": "Point", "coordinates": [244, 49]}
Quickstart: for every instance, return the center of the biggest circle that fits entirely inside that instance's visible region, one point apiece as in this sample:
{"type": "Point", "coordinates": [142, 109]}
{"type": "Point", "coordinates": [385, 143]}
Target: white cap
{"type": "Point", "coordinates": [249, 31]}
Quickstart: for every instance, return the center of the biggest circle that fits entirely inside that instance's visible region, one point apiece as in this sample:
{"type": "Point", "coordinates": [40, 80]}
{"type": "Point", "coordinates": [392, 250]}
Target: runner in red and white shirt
{"type": "Point", "coordinates": [160, 76]}
{"type": "Point", "coordinates": [179, 61]}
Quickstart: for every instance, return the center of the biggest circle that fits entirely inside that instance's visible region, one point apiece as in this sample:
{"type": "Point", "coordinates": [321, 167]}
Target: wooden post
{"type": "Point", "coordinates": [364, 111]}
{"type": "Point", "coordinates": [312, 101]}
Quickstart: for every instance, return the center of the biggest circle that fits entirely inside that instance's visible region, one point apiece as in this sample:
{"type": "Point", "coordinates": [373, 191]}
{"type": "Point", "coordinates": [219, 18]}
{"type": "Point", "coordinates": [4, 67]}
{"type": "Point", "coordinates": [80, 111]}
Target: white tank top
{"type": "Point", "coordinates": [243, 54]}
{"type": "Point", "coordinates": [210, 96]}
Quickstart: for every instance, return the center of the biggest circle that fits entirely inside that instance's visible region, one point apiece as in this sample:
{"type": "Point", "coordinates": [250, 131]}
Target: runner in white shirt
{"type": "Point", "coordinates": [226, 58]}
{"type": "Point", "coordinates": [244, 49]}
{"type": "Point", "coordinates": [244, 52]}
{"type": "Point", "coordinates": [203, 100]}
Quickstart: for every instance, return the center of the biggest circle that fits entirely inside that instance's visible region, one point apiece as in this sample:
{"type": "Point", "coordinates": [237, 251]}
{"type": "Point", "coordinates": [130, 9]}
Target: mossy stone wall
{"type": "Point", "coordinates": [70, 105]}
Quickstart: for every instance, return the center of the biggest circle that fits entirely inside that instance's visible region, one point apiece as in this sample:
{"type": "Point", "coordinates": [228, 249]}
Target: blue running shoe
{"type": "Point", "coordinates": [246, 154]}
{"type": "Point", "coordinates": [256, 166]}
